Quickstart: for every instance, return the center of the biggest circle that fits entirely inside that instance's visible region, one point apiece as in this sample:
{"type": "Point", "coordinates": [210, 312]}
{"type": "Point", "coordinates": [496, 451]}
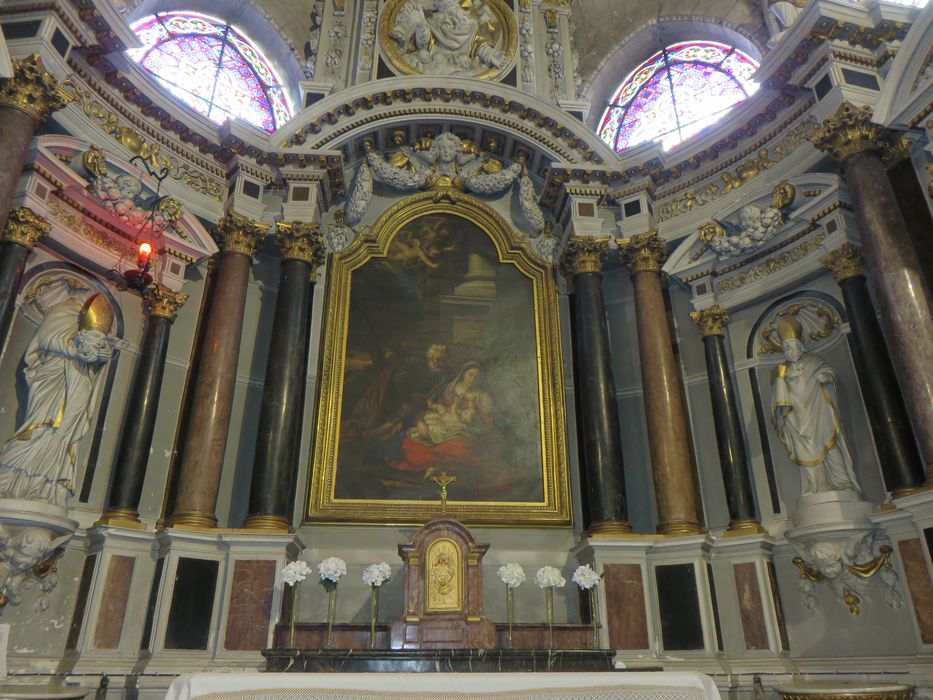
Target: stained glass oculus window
{"type": "Point", "coordinates": [676, 93]}
{"type": "Point", "coordinates": [212, 67]}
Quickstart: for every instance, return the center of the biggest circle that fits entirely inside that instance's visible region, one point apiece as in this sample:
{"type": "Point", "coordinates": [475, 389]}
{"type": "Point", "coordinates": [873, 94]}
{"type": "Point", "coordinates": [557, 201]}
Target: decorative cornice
{"type": "Point", "coordinates": [33, 90]}
{"type": "Point", "coordinates": [851, 131]}
{"type": "Point", "coordinates": [162, 301]}
{"type": "Point", "coordinates": [239, 234]}
{"type": "Point", "coordinates": [584, 254]}
{"type": "Point", "coordinates": [643, 252]}
{"type": "Point", "coordinates": [711, 321]}
{"type": "Point", "coordinates": [301, 240]}
{"type": "Point", "coordinates": [25, 227]}
{"type": "Point", "coordinates": [845, 261]}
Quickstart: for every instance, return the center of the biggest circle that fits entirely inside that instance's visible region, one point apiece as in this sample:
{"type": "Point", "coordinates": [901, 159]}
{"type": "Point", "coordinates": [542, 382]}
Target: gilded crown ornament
{"type": "Point", "coordinates": [584, 254]}
{"type": "Point", "coordinates": [301, 240]}
{"type": "Point", "coordinates": [25, 227]}
{"type": "Point", "coordinates": [33, 90]}
{"type": "Point", "coordinates": [789, 327]}
{"type": "Point", "coordinates": [163, 302]}
{"type": "Point", "coordinates": [643, 252]}
{"type": "Point", "coordinates": [96, 315]}
{"type": "Point", "coordinates": [711, 321]}
{"type": "Point", "coordinates": [844, 262]}
{"type": "Point", "coordinates": [851, 131]}
{"type": "Point", "coordinates": [240, 234]}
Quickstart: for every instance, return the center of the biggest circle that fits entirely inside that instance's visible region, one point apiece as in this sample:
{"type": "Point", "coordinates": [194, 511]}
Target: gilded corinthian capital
{"type": "Point", "coordinates": [584, 254]}
{"type": "Point", "coordinates": [32, 89]}
{"type": "Point", "coordinates": [239, 234]}
{"type": "Point", "coordinates": [643, 252]}
{"type": "Point", "coordinates": [711, 321]}
{"type": "Point", "coordinates": [851, 131]}
{"type": "Point", "coordinates": [845, 262]}
{"type": "Point", "coordinates": [162, 301]}
{"type": "Point", "coordinates": [25, 227]}
{"type": "Point", "coordinates": [300, 240]}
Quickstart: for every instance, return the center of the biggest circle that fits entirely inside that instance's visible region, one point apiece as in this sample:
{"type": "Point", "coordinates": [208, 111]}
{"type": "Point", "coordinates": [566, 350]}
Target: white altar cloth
{"type": "Point", "coordinates": [681, 685]}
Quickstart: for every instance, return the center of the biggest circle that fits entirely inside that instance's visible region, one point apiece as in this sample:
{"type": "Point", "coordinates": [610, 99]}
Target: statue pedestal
{"type": "Point", "coordinates": [832, 508]}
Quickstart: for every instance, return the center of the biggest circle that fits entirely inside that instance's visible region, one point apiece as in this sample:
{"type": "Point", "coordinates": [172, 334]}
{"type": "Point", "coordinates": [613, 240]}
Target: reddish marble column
{"type": "Point", "coordinates": [675, 482]}
{"type": "Point", "coordinates": [209, 421]}
{"type": "Point", "coordinates": [26, 101]}
{"type": "Point", "coordinates": [894, 269]}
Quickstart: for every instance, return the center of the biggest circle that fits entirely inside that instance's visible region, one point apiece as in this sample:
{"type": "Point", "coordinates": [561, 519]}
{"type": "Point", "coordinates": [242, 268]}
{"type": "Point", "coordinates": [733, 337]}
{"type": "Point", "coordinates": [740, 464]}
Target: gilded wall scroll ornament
{"type": "Point", "coordinates": [33, 90]}
{"type": "Point", "coordinates": [844, 262]}
{"type": "Point", "coordinates": [851, 131]}
{"type": "Point", "coordinates": [711, 321]}
{"type": "Point", "coordinates": [643, 252]}
{"type": "Point", "coordinates": [162, 301]}
{"type": "Point", "coordinates": [819, 322]}
{"type": "Point", "coordinates": [447, 37]}
{"type": "Point", "coordinates": [240, 234]}
{"type": "Point", "coordinates": [583, 254]}
{"type": "Point", "coordinates": [25, 227]}
{"type": "Point", "coordinates": [301, 240]}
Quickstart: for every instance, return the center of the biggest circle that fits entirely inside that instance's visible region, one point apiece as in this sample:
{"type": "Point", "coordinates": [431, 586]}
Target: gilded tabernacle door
{"type": "Point", "coordinates": [441, 354]}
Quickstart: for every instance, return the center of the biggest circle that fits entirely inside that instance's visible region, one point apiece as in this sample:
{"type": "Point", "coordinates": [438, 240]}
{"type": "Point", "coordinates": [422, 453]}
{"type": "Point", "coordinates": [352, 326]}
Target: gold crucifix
{"type": "Point", "coordinates": [444, 480]}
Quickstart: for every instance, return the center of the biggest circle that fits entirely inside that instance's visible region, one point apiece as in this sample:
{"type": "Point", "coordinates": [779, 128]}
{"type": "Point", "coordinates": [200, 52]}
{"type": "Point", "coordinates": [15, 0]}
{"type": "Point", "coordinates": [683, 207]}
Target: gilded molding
{"type": "Point", "coordinates": [711, 321]}
{"type": "Point", "coordinates": [643, 252]}
{"type": "Point", "coordinates": [300, 240]}
{"type": "Point", "coordinates": [163, 302]}
{"type": "Point", "coordinates": [240, 234]}
{"type": "Point", "coordinates": [851, 131]}
{"type": "Point", "coordinates": [584, 254]}
{"type": "Point", "coordinates": [844, 262]}
{"type": "Point", "coordinates": [25, 227]}
{"type": "Point", "coordinates": [772, 265]}
{"type": "Point", "coordinates": [33, 90]}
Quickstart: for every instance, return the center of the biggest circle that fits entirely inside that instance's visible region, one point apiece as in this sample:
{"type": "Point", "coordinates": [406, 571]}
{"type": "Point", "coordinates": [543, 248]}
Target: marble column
{"type": "Point", "coordinates": [890, 425]}
{"type": "Point", "coordinates": [205, 441]}
{"type": "Point", "coordinates": [275, 466]}
{"type": "Point", "coordinates": [26, 101]}
{"type": "Point", "coordinates": [142, 406]}
{"type": "Point", "coordinates": [733, 454]}
{"type": "Point", "coordinates": [23, 228]}
{"type": "Point", "coordinates": [894, 269]}
{"type": "Point", "coordinates": [675, 482]}
{"type": "Point", "coordinates": [583, 260]}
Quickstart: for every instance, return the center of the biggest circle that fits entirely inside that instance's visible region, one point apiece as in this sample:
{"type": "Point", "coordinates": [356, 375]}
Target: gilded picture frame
{"type": "Point", "coordinates": [440, 355]}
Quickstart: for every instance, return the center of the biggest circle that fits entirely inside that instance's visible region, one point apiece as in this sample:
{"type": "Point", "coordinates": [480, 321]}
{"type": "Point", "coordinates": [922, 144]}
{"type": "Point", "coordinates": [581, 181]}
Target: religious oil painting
{"type": "Point", "coordinates": [442, 361]}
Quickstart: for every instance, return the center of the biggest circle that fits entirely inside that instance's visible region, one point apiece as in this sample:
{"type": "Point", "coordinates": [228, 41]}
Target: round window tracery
{"type": "Point", "coordinates": [211, 67]}
{"type": "Point", "coordinates": [676, 93]}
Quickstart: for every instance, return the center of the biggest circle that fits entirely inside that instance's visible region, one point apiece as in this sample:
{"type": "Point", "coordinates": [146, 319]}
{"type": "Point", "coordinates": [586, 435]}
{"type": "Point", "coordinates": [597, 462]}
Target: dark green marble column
{"type": "Point", "coordinates": [604, 478]}
{"type": "Point", "coordinates": [23, 228]}
{"type": "Point", "coordinates": [275, 467]}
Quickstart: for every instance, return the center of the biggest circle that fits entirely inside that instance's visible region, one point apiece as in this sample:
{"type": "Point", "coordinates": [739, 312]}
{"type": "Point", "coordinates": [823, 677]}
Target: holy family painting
{"type": "Point", "coordinates": [440, 363]}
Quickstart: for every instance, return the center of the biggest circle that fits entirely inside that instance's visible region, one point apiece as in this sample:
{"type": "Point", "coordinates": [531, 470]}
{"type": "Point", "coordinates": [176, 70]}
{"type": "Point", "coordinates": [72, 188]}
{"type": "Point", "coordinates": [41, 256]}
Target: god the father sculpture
{"type": "Point", "coordinates": [805, 412]}
{"type": "Point", "coordinates": [63, 369]}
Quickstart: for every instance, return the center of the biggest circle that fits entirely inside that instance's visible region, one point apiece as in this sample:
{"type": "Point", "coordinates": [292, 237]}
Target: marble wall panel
{"type": "Point", "coordinates": [250, 605]}
{"type": "Point", "coordinates": [918, 582]}
{"type": "Point", "coordinates": [116, 593]}
{"type": "Point", "coordinates": [84, 587]}
{"type": "Point", "coordinates": [625, 605]}
{"type": "Point", "coordinates": [751, 607]}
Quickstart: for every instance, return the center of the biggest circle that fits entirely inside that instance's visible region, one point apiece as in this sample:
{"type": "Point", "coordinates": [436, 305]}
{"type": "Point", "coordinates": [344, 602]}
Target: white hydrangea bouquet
{"type": "Point", "coordinates": [513, 576]}
{"type": "Point", "coordinates": [587, 579]}
{"type": "Point", "coordinates": [294, 573]}
{"type": "Point", "coordinates": [548, 578]}
{"type": "Point", "coordinates": [330, 571]}
{"type": "Point", "coordinates": [374, 576]}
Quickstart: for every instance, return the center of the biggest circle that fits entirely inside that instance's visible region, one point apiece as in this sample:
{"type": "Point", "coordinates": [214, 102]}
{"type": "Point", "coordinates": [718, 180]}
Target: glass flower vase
{"type": "Point", "coordinates": [594, 615]}
{"type": "Point", "coordinates": [549, 600]}
{"type": "Point", "coordinates": [331, 613]}
{"type": "Point", "coordinates": [294, 616]}
{"type": "Point", "coordinates": [373, 615]}
{"type": "Point", "coordinates": [509, 612]}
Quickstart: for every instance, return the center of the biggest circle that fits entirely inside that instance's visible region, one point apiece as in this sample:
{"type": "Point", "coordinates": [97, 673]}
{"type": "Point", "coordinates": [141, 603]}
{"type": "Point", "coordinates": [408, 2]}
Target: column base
{"type": "Point", "coordinates": [680, 528]}
{"type": "Point", "coordinates": [121, 517]}
{"type": "Point", "coordinates": [909, 490]}
{"type": "Point", "coordinates": [610, 528]}
{"type": "Point", "coordinates": [267, 523]}
{"type": "Point", "coordinates": [192, 519]}
{"type": "Point", "coordinates": [739, 528]}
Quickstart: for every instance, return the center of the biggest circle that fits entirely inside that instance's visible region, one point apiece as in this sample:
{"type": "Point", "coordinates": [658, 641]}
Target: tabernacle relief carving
{"type": "Point", "coordinates": [465, 379]}
{"type": "Point", "coordinates": [475, 39]}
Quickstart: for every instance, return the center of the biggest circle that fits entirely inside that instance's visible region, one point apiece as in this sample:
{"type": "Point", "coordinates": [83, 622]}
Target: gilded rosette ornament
{"type": "Point", "coordinates": [845, 262]}
{"type": "Point", "coordinates": [25, 227]}
{"type": "Point", "coordinates": [851, 131]}
{"type": "Point", "coordinates": [711, 321]}
{"type": "Point", "coordinates": [584, 254]}
{"type": "Point", "coordinates": [300, 240]}
{"type": "Point", "coordinates": [32, 89]}
{"type": "Point", "coordinates": [643, 252]}
{"type": "Point", "coordinates": [239, 234]}
{"type": "Point", "coordinates": [162, 301]}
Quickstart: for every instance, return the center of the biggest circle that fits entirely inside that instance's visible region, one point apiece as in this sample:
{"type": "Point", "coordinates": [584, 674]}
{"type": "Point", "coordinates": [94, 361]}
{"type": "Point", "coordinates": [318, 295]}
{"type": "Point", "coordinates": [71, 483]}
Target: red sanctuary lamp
{"type": "Point", "coordinates": [139, 278]}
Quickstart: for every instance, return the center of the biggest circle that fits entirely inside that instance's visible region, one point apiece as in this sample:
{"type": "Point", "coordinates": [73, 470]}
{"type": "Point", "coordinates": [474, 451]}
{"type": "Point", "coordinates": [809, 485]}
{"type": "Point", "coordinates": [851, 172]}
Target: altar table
{"type": "Point", "coordinates": [442, 686]}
